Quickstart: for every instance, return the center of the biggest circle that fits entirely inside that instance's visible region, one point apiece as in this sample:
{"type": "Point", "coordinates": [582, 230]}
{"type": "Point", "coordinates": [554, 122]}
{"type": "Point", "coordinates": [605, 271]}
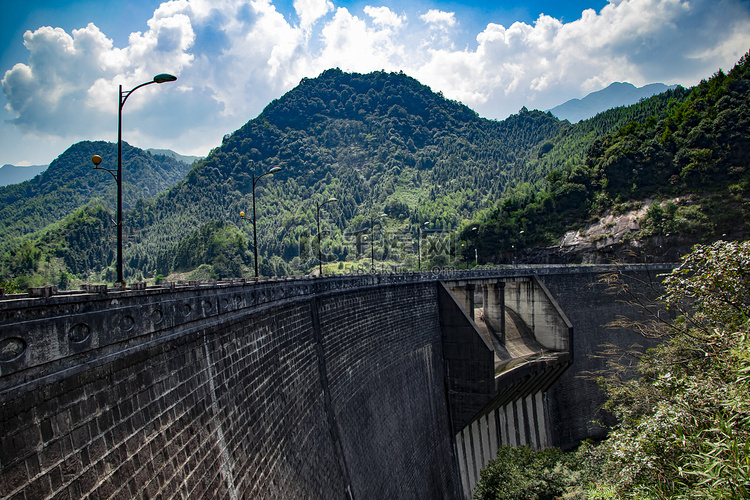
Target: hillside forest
{"type": "Point", "coordinates": [420, 181]}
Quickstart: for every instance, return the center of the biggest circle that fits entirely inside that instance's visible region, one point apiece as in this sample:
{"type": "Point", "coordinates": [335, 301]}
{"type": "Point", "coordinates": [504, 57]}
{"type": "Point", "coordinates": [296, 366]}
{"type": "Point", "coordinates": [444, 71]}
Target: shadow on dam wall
{"type": "Point", "coordinates": [318, 388]}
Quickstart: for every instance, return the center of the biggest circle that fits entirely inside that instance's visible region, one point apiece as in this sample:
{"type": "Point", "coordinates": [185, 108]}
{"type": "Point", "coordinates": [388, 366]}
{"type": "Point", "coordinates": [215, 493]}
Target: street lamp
{"type": "Point", "coordinates": [255, 230]}
{"type": "Point", "coordinates": [419, 246]}
{"type": "Point", "coordinates": [123, 96]}
{"type": "Point", "coordinates": [372, 240]}
{"type": "Point", "coordinates": [320, 254]}
{"type": "Point", "coordinates": [476, 256]}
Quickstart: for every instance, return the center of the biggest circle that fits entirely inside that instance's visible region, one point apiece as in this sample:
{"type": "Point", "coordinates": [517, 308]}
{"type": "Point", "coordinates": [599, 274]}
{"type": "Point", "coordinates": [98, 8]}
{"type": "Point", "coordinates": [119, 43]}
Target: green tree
{"type": "Point", "coordinates": [684, 421]}
{"type": "Point", "coordinates": [524, 474]}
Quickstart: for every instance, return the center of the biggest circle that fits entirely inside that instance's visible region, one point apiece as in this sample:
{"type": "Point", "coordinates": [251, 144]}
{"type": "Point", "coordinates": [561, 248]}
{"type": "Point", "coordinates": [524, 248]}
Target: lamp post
{"type": "Point", "coordinates": [419, 246]}
{"type": "Point", "coordinates": [476, 256]}
{"type": "Point", "coordinates": [255, 230]}
{"type": "Point", "coordinates": [123, 96]}
{"type": "Point", "coordinates": [372, 240]}
{"type": "Point", "coordinates": [320, 253]}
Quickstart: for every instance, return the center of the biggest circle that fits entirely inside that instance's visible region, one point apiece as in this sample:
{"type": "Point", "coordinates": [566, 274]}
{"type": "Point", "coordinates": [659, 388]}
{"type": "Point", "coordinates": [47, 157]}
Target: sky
{"type": "Point", "coordinates": [62, 62]}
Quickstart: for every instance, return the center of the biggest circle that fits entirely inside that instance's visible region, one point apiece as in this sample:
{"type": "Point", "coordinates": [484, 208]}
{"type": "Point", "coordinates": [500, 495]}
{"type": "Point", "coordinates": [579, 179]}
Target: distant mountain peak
{"type": "Point", "coordinates": [615, 95]}
{"type": "Point", "coordinates": [189, 159]}
{"type": "Point", "coordinates": [12, 174]}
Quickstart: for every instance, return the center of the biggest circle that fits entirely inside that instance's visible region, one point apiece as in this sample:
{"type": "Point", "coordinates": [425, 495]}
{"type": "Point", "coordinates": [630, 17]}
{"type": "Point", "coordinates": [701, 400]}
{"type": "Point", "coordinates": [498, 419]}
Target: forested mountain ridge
{"type": "Point", "coordinates": [615, 95]}
{"type": "Point", "coordinates": [380, 142]}
{"type": "Point", "coordinates": [693, 157]}
{"type": "Point", "coordinates": [572, 143]}
{"type": "Point", "coordinates": [11, 174]}
{"type": "Point", "coordinates": [70, 182]}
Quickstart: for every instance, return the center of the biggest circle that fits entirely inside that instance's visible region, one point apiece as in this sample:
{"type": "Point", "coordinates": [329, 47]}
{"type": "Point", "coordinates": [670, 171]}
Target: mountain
{"type": "Point", "coordinates": [70, 182]}
{"type": "Point", "coordinates": [168, 152]}
{"type": "Point", "coordinates": [682, 176]}
{"type": "Point", "coordinates": [380, 142]}
{"type": "Point", "coordinates": [617, 94]}
{"type": "Point", "coordinates": [11, 174]}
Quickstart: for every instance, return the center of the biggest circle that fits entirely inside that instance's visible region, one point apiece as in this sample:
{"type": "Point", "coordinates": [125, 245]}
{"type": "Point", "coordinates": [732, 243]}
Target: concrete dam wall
{"type": "Point", "coordinates": [575, 400]}
{"type": "Point", "coordinates": [323, 394]}
{"type": "Point", "coordinates": [353, 387]}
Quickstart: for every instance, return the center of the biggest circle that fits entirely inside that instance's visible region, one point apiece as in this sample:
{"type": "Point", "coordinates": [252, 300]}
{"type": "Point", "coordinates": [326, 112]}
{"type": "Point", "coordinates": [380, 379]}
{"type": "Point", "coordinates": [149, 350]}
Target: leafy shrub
{"type": "Point", "coordinates": [684, 423]}
{"type": "Point", "coordinates": [524, 474]}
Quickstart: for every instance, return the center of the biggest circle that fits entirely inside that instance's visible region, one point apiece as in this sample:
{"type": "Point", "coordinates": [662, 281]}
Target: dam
{"type": "Point", "coordinates": [352, 386]}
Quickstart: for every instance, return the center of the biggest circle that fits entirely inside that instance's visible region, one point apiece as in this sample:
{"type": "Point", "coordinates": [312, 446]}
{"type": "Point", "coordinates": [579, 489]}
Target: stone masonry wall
{"type": "Point", "coordinates": [385, 374]}
{"type": "Point", "coordinates": [575, 400]}
{"type": "Point", "coordinates": [230, 410]}
{"type": "Point", "coordinates": [327, 395]}
{"type": "Point", "coordinates": [309, 388]}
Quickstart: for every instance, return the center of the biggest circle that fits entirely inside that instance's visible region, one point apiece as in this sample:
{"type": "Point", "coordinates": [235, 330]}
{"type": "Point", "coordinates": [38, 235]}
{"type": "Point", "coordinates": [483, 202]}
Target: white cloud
{"type": "Point", "coordinates": [52, 89]}
{"type": "Point", "coordinates": [640, 41]}
{"type": "Point", "coordinates": [439, 18]}
{"type": "Point", "coordinates": [384, 16]}
{"type": "Point", "coordinates": [350, 44]}
{"type": "Point", "coordinates": [232, 57]}
{"type": "Point", "coordinates": [310, 11]}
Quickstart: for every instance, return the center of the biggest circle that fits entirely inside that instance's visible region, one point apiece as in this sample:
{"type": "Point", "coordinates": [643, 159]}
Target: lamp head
{"type": "Point", "coordinates": [96, 160]}
{"type": "Point", "coordinates": [274, 170]}
{"type": "Point", "coordinates": [242, 214]}
{"type": "Point", "coordinates": [164, 77]}
{"type": "Point", "coordinates": [331, 200]}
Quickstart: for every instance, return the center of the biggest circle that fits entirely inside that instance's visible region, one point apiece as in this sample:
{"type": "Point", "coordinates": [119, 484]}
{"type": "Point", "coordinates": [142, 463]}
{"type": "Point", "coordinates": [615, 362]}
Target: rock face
{"type": "Point", "coordinates": [610, 238]}
{"type": "Point", "coordinates": [616, 237]}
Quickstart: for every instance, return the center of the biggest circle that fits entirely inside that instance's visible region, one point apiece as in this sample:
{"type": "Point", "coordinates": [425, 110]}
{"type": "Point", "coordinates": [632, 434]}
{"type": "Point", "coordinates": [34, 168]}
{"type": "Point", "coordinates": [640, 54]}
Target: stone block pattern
{"type": "Point", "coordinates": [303, 398]}
{"type": "Point", "coordinates": [385, 373]}
{"type": "Point", "coordinates": [575, 400]}
{"type": "Point", "coordinates": [229, 411]}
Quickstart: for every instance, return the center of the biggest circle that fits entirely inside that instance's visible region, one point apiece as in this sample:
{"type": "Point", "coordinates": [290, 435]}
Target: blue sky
{"type": "Point", "coordinates": [61, 62]}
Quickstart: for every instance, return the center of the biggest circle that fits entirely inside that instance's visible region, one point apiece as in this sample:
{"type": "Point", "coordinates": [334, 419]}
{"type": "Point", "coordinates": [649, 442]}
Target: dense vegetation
{"type": "Point", "coordinates": [54, 228]}
{"type": "Point", "coordinates": [684, 422]}
{"type": "Point", "coordinates": [695, 146]}
{"type": "Point", "coordinates": [71, 182]}
{"type": "Point", "coordinates": [520, 473]}
{"type": "Point", "coordinates": [379, 143]}
{"type": "Point", "coordinates": [384, 143]}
